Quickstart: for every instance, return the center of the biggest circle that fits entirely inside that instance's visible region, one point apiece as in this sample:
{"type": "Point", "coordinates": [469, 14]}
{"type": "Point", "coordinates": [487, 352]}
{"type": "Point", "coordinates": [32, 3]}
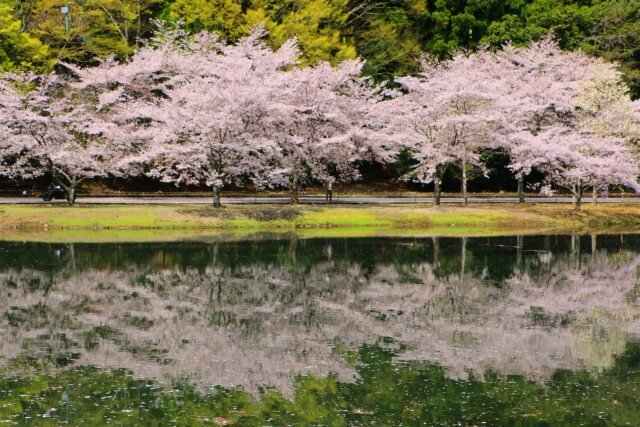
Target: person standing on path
{"type": "Point", "coordinates": [329, 197]}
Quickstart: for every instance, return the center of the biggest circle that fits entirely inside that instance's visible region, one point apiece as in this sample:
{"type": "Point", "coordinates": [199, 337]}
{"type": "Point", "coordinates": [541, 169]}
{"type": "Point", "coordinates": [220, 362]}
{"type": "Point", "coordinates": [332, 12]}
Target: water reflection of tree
{"type": "Point", "coordinates": [515, 304]}
{"type": "Point", "coordinates": [386, 393]}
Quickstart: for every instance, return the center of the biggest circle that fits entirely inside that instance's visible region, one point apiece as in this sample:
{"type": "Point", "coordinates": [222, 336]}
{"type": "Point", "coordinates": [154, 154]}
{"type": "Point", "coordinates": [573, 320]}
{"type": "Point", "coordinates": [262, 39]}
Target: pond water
{"type": "Point", "coordinates": [277, 330]}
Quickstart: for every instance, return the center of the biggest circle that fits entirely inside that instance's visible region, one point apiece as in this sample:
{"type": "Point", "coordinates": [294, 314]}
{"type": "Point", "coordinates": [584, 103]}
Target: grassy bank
{"type": "Point", "coordinates": [155, 221]}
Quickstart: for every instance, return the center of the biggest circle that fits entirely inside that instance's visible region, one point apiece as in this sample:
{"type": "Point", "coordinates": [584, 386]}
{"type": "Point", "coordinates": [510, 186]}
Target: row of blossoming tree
{"type": "Point", "coordinates": [196, 110]}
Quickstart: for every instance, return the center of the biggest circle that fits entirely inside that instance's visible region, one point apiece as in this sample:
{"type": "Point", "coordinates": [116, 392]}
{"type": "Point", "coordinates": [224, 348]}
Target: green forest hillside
{"type": "Point", "coordinates": [390, 35]}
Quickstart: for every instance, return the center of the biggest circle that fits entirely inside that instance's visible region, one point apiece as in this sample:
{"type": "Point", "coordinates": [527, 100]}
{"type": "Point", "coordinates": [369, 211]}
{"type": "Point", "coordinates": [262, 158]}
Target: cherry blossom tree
{"type": "Point", "coordinates": [322, 130]}
{"type": "Point", "coordinates": [231, 113]}
{"type": "Point", "coordinates": [193, 107]}
{"type": "Point", "coordinates": [552, 88]}
{"type": "Point", "coordinates": [457, 109]}
{"type": "Point", "coordinates": [543, 86]}
{"type": "Point", "coordinates": [446, 116]}
{"type": "Point", "coordinates": [10, 100]}
{"type": "Point", "coordinates": [604, 105]}
{"type": "Point", "coordinates": [197, 110]}
{"type": "Point", "coordinates": [576, 159]}
{"type": "Point", "coordinates": [53, 130]}
{"type": "Point", "coordinates": [219, 117]}
{"type": "Point", "coordinates": [129, 93]}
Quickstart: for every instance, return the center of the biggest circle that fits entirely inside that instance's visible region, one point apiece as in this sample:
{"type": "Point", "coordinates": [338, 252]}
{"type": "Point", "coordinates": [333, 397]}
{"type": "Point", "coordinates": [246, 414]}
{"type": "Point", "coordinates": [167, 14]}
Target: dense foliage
{"type": "Point", "coordinates": [20, 50]}
{"type": "Point", "coordinates": [390, 35]}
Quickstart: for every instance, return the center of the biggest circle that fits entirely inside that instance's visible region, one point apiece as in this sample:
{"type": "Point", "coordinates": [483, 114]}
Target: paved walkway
{"type": "Point", "coordinates": [303, 200]}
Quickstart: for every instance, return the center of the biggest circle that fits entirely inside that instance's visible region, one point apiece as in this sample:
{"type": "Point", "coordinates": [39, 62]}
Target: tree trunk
{"type": "Point", "coordinates": [520, 188]}
{"type": "Point", "coordinates": [576, 249]}
{"type": "Point", "coordinates": [294, 191]}
{"type": "Point", "coordinates": [464, 182]}
{"type": "Point", "coordinates": [71, 194]}
{"type": "Point", "coordinates": [519, 249]}
{"type": "Point", "coordinates": [69, 187]}
{"type": "Point", "coordinates": [293, 247]}
{"type": "Point", "coordinates": [575, 245]}
{"type": "Point", "coordinates": [594, 196]}
{"type": "Point", "coordinates": [72, 255]}
{"type": "Point", "coordinates": [577, 202]}
{"type": "Point", "coordinates": [463, 259]}
{"type": "Point", "coordinates": [436, 253]}
{"type": "Point", "coordinates": [577, 197]}
{"type": "Point", "coordinates": [437, 189]}
{"type": "Point", "coordinates": [216, 197]}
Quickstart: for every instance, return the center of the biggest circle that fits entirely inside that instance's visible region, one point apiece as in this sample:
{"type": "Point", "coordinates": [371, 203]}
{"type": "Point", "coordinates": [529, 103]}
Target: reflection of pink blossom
{"type": "Point", "coordinates": [224, 325]}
